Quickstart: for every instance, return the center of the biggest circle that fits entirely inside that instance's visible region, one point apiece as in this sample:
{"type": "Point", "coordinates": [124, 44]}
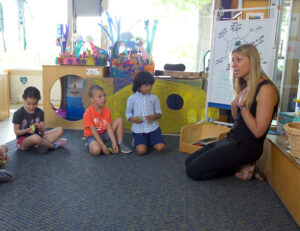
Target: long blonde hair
{"type": "Point", "coordinates": [256, 74]}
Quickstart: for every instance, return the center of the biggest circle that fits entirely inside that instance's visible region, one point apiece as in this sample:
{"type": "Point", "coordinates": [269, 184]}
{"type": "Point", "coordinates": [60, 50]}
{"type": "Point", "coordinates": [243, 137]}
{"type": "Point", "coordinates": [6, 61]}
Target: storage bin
{"type": "Point", "coordinates": [192, 133]}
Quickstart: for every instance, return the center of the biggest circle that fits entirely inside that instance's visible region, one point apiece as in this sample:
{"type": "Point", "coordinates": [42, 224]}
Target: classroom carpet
{"type": "Point", "coordinates": [68, 189]}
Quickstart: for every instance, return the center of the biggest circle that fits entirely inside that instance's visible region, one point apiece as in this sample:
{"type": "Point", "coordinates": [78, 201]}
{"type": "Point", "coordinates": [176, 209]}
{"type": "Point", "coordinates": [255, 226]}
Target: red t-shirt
{"type": "Point", "coordinates": [99, 120]}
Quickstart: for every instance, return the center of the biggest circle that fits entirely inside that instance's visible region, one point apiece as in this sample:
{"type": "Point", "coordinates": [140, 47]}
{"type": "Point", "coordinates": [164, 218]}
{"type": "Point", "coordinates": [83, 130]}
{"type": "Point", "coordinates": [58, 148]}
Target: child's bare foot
{"type": "Point", "coordinates": [60, 143]}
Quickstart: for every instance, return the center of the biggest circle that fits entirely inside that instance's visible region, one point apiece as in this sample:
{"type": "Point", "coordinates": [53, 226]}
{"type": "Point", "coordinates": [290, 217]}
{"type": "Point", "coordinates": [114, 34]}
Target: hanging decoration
{"type": "Point", "coordinates": [2, 26]}
{"type": "Point", "coordinates": [150, 41]}
{"type": "Point", "coordinates": [21, 20]}
{"type": "Point", "coordinates": [101, 7]}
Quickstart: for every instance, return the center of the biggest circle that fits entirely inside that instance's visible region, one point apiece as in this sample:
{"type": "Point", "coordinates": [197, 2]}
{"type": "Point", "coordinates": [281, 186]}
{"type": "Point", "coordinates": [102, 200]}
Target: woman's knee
{"type": "Point", "coordinates": [194, 175]}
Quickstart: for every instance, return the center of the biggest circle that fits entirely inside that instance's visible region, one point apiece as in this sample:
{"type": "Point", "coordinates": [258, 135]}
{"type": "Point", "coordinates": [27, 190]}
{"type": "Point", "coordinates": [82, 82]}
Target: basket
{"type": "Point", "coordinates": [192, 133]}
{"type": "Point", "coordinates": [293, 132]}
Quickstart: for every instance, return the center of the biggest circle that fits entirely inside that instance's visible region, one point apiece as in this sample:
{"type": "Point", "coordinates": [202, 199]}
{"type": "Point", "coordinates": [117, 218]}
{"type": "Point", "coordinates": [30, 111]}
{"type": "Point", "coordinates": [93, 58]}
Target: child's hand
{"type": "Point", "coordinates": [3, 156]}
{"type": "Point", "coordinates": [40, 127]}
{"type": "Point", "coordinates": [137, 119]}
{"type": "Point", "coordinates": [115, 148]}
{"type": "Point", "coordinates": [3, 159]}
{"type": "Point", "coordinates": [37, 125]}
{"type": "Point", "coordinates": [29, 130]}
{"type": "Point", "coordinates": [105, 149]}
{"type": "Point", "coordinates": [150, 118]}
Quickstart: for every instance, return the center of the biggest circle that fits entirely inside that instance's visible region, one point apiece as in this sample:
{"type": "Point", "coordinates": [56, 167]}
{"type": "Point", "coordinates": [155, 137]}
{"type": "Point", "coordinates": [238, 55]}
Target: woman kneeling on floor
{"type": "Point", "coordinates": [253, 109]}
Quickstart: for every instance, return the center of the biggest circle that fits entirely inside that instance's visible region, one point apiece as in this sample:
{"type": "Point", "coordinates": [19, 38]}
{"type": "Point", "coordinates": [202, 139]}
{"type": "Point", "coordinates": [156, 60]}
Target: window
{"type": "Point", "coordinates": [177, 35]}
{"type": "Point", "coordinates": [41, 19]}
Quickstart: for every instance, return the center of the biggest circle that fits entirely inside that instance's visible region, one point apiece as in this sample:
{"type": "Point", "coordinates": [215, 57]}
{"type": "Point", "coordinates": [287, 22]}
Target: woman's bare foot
{"type": "Point", "coordinates": [246, 172]}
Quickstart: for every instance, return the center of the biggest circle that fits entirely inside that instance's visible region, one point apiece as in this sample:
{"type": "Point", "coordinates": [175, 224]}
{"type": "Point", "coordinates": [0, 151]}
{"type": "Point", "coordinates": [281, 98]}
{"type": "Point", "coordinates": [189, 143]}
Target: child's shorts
{"type": "Point", "coordinates": [149, 139]}
{"type": "Point", "coordinates": [104, 137]}
{"type": "Point", "coordinates": [19, 143]}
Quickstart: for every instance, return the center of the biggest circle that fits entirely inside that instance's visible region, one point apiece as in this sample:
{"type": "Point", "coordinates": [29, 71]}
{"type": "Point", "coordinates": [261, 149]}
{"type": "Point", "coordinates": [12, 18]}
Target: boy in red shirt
{"type": "Point", "coordinates": [98, 127]}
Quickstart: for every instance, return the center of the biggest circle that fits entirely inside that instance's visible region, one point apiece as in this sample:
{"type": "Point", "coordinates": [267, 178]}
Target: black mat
{"type": "Point", "coordinates": [68, 189]}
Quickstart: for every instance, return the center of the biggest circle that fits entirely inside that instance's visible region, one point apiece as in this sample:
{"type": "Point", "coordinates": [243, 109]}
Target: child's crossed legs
{"type": "Point", "coordinates": [48, 139]}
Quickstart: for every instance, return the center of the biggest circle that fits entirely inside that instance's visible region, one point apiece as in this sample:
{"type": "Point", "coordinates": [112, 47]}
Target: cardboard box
{"type": "Point", "coordinates": [193, 133]}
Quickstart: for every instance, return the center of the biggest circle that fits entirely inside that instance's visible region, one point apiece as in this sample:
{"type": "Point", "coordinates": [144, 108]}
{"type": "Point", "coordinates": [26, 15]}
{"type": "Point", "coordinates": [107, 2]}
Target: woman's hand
{"type": "Point", "coordinates": [242, 97]}
{"type": "Point", "coordinates": [238, 101]}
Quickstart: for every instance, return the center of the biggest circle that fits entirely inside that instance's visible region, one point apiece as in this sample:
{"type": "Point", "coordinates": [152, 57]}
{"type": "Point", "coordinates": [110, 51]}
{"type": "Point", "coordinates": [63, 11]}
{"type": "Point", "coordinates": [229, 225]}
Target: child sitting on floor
{"type": "Point", "coordinates": [143, 110]}
{"type": "Point", "coordinates": [29, 126]}
{"type": "Point", "coordinates": [98, 127]}
{"type": "Point", "coordinates": [5, 176]}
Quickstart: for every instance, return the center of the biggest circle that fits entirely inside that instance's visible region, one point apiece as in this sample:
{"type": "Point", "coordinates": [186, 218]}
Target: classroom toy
{"type": "Point", "coordinates": [32, 126]}
{"type": "Point", "coordinates": [2, 26]}
{"type": "Point", "coordinates": [128, 55]}
{"type": "Point", "coordinates": [81, 55]}
{"type": "Point", "coordinates": [297, 106]}
{"type": "Point", "coordinates": [111, 150]}
{"type": "Point", "coordinates": [21, 20]}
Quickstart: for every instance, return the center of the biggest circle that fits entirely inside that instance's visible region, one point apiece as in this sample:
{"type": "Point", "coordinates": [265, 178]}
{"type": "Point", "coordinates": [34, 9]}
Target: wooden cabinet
{"type": "Point", "coordinates": [4, 96]}
{"type": "Point", "coordinates": [282, 172]}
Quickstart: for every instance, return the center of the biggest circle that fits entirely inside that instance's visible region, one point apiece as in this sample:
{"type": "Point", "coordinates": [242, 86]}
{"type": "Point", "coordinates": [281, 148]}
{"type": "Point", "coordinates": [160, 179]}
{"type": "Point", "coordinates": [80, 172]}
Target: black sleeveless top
{"type": "Point", "coordinates": [240, 130]}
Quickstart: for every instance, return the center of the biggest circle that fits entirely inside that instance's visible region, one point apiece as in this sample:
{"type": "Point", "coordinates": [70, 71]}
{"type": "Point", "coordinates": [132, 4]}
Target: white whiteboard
{"type": "Point", "coordinates": [227, 36]}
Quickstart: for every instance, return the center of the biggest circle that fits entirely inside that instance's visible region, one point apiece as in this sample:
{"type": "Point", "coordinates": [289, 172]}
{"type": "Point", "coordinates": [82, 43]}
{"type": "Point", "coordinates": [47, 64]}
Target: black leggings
{"type": "Point", "coordinates": [220, 158]}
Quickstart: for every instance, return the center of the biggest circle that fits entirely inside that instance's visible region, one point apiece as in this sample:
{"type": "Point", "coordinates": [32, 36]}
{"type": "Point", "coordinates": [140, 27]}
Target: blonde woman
{"type": "Point", "coordinates": [253, 108]}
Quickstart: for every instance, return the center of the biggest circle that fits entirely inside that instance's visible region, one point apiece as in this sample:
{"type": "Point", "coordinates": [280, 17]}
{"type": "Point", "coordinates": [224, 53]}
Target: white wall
{"type": "Point", "coordinates": [34, 78]}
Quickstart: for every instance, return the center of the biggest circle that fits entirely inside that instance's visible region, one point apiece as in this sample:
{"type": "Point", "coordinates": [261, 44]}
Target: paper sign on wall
{"type": "Point", "coordinates": [93, 71]}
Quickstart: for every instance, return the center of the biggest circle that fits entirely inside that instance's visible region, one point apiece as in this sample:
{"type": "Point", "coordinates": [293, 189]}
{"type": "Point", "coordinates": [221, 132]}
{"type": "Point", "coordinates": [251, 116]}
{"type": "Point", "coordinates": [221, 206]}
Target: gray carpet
{"type": "Point", "coordinates": [68, 189]}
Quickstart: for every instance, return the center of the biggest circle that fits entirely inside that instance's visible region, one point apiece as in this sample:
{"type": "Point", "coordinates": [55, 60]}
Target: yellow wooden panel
{"type": "Point", "coordinates": [4, 97]}
{"type": "Point", "coordinates": [53, 73]}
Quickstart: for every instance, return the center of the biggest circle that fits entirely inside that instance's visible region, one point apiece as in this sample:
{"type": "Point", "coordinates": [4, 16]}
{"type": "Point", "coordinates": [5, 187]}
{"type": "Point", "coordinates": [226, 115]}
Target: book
{"type": "Point", "coordinates": [205, 141]}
